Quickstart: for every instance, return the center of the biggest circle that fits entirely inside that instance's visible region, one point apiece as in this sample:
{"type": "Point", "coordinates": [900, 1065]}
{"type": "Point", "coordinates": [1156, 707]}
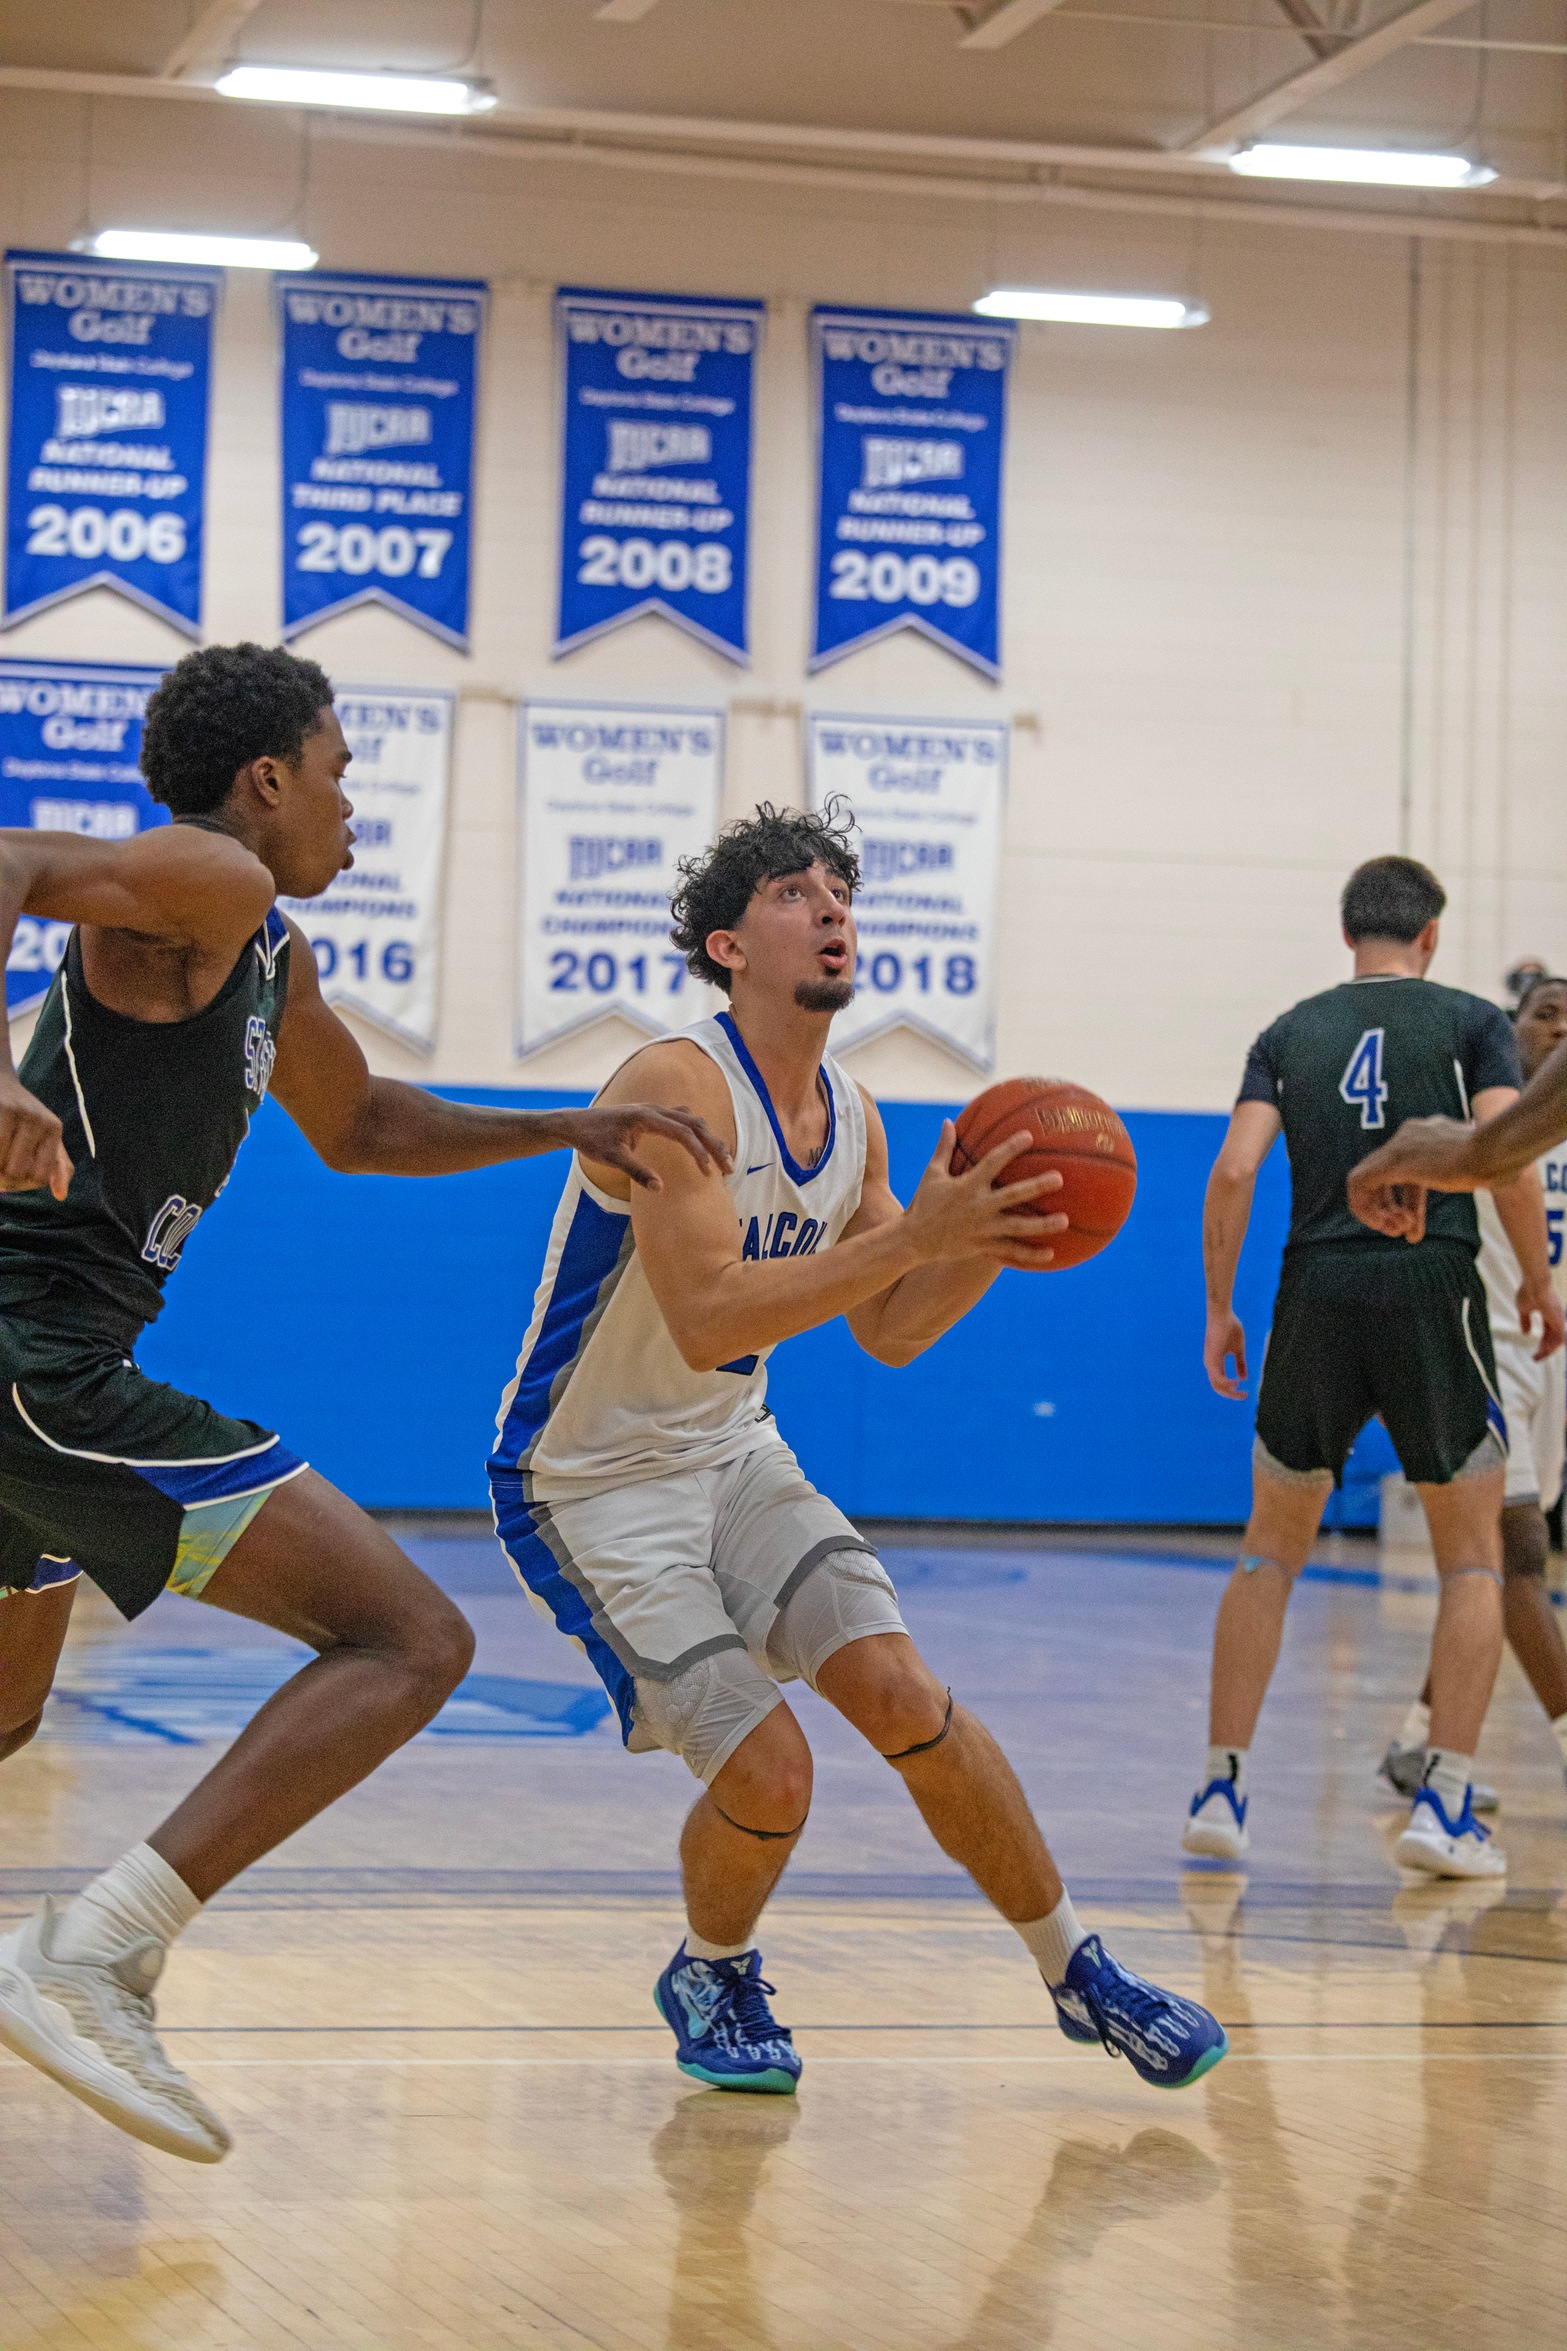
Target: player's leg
{"type": "Point", "coordinates": [1310, 1407]}
{"type": "Point", "coordinates": [626, 1575]}
{"type": "Point", "coordinates": [390, 1650]}
{"type": "Point", "coordinates": [74, 1989]}
{"type": "Point", "coordinates": [1436, 1385]}
{"type": "Point", "coordinates": [33, 1623]}
{"type": "Point", "coordinates": [969, 1798]}
{"type": "Point", "coordinates": [1533, 1627]}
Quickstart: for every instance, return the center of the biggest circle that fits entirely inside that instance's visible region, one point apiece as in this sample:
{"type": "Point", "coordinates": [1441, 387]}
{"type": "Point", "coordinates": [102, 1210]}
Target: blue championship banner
{"type": "Point", "coordinates": [70, 734]}
{"type": "Point", "coordinates": [656, 469]}
{"type": "Point", "coordinates": [911, 425]}
{"type": "Point", "coordinates": [380, 378]}
{"type": "Point", "coordinates": [109, 369]}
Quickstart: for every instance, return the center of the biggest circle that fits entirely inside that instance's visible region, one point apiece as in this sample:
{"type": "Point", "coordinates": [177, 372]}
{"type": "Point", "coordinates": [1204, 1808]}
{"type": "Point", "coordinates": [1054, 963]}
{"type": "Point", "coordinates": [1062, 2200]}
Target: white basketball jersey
{"type": "Point", "coordinates": [602, 1395]}
{"type": "Point", "coordinates": [1499, 1269]}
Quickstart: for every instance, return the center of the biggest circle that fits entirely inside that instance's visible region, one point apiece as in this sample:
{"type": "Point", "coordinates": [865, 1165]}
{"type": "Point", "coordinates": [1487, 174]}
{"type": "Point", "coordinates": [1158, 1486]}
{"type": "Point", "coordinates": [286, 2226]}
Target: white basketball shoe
{"type": "Point", "coordinates": [1216, 1823]}
{"type": "Point", "coordinates": [90, 2025]}
{"type": "Point", "coordinates": [1445, 1848]}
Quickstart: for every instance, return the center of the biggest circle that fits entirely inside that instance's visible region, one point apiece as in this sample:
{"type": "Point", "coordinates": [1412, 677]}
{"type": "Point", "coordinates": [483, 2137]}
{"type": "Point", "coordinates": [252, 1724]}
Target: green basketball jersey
{"type": "Point", "coordinates": [153, 1113]}
{"type": "Point", "coordinates": [1345, 1068]}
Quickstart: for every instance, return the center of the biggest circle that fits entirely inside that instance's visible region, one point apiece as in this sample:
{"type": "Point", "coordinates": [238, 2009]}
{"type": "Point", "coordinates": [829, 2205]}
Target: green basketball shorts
{"type": "Point", "coordinates": [143, 1487]}
{"type": "Point", "coordinates": [1400, 1331]}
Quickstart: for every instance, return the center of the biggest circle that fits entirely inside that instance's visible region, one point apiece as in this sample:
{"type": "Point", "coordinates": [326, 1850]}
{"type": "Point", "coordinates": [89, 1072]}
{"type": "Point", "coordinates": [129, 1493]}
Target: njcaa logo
{"type": "Point", "coordinates": [169, 1231]}
{"type": "Point", "coordinates": [260, 1054]}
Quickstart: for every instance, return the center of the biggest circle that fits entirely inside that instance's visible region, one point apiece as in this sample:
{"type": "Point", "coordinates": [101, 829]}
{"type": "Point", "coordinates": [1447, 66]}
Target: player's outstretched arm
{"type": "Point", "coordinates": [899, 1323]}
{"type": "Point", "coordinates": [363, 1125]}
{"type": "Point", "coordinates": [177, 886]}
{"type": "Point", "coordinates": [720, 1305]}
{"type": "Point", "coordinates": [1387, 1190]}
{"type": "Point", "coordinates": [1226, 1212]}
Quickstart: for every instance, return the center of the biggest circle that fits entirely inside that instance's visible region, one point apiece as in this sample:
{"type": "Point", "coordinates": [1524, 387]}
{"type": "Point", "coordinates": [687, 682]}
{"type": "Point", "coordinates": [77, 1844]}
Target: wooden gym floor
{"type": "Point", "coordinates": [459, 2124]}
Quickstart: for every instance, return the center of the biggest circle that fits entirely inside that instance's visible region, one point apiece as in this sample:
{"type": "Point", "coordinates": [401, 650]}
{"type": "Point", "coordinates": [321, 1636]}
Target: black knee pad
{"type": "Point", "coordinates": [763, 1836]}
{"type": "Point", "coordinates": [924, 1746]}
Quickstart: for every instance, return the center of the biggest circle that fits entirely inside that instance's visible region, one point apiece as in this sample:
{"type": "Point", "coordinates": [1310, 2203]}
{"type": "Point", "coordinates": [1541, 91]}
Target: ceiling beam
{"type": "Point", "coordinates": [1319, 38]}
{"type": "Point", "coordinates": [209, 45]}
{"type": "Point", "coordinates": [996, 22]}
{"type": "Point", "coordinates": [1329, 73]}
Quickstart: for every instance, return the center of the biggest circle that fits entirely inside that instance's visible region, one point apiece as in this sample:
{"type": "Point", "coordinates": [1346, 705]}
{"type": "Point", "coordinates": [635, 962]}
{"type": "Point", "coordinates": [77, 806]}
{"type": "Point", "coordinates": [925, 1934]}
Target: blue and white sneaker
{"type": "Point", "coordinates": [727, 2035]}
{"type": "Point", "coordinates": [1445, 1848]}
{"type": "Point", "coordinates": [1169, 2041]}
{"type": "Point", "coordinates": [1216, 1824]}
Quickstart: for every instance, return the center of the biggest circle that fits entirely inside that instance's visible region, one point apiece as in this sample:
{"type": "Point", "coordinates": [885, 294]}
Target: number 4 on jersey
{"type": "Point", "coordinates": [1362, 1085]}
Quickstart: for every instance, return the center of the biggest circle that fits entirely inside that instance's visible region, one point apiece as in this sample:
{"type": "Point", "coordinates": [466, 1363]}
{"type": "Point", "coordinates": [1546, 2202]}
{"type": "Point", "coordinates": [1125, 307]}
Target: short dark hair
{"type": "Point", "coordinates": [1391, 898]}
{"type": "Point", "coordinates": [219, 709]}
{"type": "Point", "coordinates": [1541, 979]}
{"type": "Point", "coordinates": [716, 888]}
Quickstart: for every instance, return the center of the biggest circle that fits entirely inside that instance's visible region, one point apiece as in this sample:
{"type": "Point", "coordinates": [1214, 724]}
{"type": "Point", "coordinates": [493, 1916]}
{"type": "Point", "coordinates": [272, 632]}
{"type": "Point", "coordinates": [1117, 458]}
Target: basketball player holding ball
{"type": "Point", "coordinates": [651, 1507]}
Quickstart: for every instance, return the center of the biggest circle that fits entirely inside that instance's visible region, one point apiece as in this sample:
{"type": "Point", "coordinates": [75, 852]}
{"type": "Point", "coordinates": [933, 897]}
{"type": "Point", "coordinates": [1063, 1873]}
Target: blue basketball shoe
{"type": "Point", "coordinates": [726, 2034]}
{"type": "Point", "coordinates": [1170, 2041]}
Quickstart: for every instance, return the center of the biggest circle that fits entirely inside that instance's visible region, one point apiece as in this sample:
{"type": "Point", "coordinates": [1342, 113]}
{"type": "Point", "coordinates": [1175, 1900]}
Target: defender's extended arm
{"type": "Point", "coordinates": [362, 1125]}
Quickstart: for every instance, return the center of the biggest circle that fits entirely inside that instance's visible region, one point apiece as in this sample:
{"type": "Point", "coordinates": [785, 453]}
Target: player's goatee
{"type": "Point", "coordinates": [824, 995]}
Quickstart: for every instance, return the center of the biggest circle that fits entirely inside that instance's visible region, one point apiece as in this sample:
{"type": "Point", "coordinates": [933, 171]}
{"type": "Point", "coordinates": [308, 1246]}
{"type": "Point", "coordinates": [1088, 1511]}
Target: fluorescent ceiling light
{"type": "Point", "coordinates": [225, 252]}
{"type": "Point", "coordinates": [1383, 167]}
{"type": "Point", "coordinates": [1092, 310]}
{"type": "Point", "coordinates": [383, 93]}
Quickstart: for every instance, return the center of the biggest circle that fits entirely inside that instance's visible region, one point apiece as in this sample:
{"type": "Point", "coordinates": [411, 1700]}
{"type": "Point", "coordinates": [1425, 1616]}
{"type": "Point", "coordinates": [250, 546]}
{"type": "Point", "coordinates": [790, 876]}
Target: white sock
{"type": "Point", "coordinates": [1448, 1774]}
{"type": "Point", "coordinates": [1415, 1729]}
{"type": "Point", "coordinates": [1559, 1726]}
{"type": "Point", "coordinates": [1053, 1940]}
{"type": "Point", "coordinates": [139, 1896]}
{"type": "Point", "coordinates": [1227, 1763]}
{"type": "Point", "coordinates": [698, 1947]}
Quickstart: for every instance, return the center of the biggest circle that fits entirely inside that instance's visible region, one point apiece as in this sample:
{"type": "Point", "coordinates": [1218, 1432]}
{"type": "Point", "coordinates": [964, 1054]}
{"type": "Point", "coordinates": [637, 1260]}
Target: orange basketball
{"type": "Point", "coordinates": [1076, 1135]}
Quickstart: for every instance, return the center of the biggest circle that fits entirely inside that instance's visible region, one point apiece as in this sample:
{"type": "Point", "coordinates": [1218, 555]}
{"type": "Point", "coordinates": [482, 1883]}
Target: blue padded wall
{"type": "Point", "coordinates": [373, 1321]}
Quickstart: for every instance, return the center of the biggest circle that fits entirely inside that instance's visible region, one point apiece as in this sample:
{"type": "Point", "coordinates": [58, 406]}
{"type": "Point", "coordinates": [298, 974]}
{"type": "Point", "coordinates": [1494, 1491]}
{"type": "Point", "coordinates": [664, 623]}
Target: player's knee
{"type": "Point", "coordinates": [437, 1648]}
{"type": "Point", "coordinates": [766, 1784]}
{"type": "Point", "coordinates": [15, 1735]}
{"type": "Point", "coordinates": [1525, 1543]}
{"type": "Point", "coordinates": [888, 1692]}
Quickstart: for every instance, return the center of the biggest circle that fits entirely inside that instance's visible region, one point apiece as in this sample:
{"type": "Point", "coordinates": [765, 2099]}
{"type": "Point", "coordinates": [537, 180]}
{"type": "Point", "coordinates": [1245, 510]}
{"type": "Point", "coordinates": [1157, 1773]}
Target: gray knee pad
{"type": "Point", "coordinates": [703, 1713]}
{"type": "Point", "coordinates": [846, 1597]}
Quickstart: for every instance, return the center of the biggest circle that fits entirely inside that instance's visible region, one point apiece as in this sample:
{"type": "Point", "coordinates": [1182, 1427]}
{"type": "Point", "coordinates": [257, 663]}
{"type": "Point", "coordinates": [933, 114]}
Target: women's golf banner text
{"type": "Point", "coordinates": [911, 427]}
{"type": "Point", "coordinates": [70, 737]}
{"type": "Point", "coordinates": [108, 454]}
{"type": "Point", "coordinates": [928, 797]}
{"type": "Point", "coordinates": [380, 377]}
{"type": "Point", "coordinates": [656, 465]}
{"type": "Point", "coordinates": [376, 933]}
{"type": "Point", "coordinates": [612, 797]}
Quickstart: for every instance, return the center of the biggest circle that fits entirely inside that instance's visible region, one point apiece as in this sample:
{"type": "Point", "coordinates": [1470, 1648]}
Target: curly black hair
{"type": "Point", "coordinates": [221, 708]}
{"type": "Point", "coordinates": [716, 888]}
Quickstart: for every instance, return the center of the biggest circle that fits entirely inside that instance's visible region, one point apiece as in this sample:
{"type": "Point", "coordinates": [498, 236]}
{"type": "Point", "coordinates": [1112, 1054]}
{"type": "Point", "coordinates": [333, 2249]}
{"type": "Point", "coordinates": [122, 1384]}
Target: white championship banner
{"type": "Point", "coordinates": [928, 796]}
{"type": "Point", "coordinates": [612, 795]}
{"type": "Point", "coordinates": [376, 933]}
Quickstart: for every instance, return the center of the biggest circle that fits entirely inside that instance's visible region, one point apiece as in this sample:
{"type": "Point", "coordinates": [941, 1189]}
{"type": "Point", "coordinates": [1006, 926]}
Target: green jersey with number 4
{"type": "Point", "coordinates": [1346, 1068]}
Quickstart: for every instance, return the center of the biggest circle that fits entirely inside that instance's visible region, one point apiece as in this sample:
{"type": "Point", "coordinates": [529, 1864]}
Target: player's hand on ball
{"type": "Point", "coordinates": [977, 1215]}
{"type": "Point", "coordinates": [611, 1135]}
{"type": "Point", "coordinates": [1225, 1343]}
{"type": "Point", "coordinates": [32, 1156]}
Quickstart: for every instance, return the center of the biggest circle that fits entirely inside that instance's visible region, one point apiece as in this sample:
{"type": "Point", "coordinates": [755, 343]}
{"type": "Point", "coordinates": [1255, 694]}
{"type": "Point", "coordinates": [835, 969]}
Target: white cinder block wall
{"type": "Point", "coordinates": [1266, 582]}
